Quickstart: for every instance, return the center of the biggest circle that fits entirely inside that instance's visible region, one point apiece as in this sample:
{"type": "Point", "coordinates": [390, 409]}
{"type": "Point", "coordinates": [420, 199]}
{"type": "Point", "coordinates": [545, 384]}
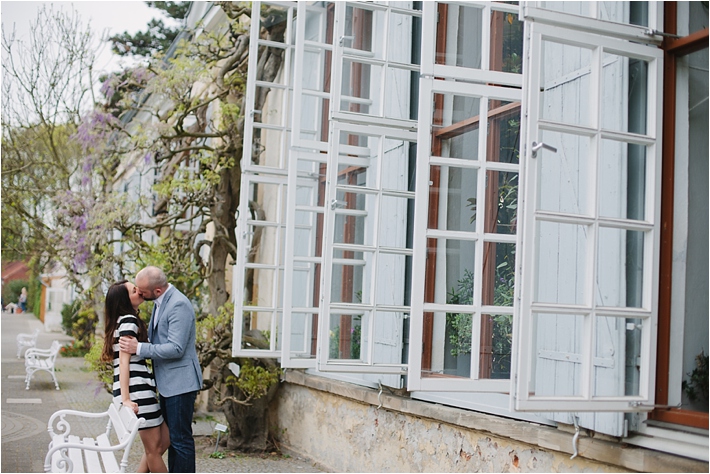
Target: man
{"type": "Point", "coordinates": [178, 376]}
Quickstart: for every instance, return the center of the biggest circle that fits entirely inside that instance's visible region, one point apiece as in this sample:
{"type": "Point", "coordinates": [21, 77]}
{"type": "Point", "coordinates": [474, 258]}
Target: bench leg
{"type": "Point", "coordinates": [54, 377]}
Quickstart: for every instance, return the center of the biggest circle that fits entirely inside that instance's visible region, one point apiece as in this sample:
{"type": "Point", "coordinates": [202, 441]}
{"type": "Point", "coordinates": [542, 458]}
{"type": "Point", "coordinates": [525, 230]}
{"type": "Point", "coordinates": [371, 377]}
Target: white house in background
{"type": "Point", "coordinates": [476, 233]}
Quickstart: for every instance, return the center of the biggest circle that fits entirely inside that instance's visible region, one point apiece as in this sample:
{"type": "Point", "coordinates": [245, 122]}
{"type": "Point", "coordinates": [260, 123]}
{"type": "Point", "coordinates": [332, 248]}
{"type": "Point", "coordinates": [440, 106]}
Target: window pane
{"type": "Point", "coordinates": [306, 229]}
{"type": "Point", "coordinates": [451, 345]}
{"type": "Point", "coordinates": [504, 130]}
{"type": "Point", "coordinates": [363, 31]}
{"type": "Point", "coordinates": [346, 336]}
{"type": "Point", "coordinates": [351, 276]}
{"type": "Point", "coordinates": [557, 343]}
{"type": "Point", "coordinates": [398, 165]}
{"type": "Point", "coordinates": [624, 94]}
{"type": "Point", "coordinates": [616, 356]}
{"type": "Point", "coordinates": [565, 81]}
{"type": "Point", "coordinates": [400, 33]}
{"type": "Point", "coordinates": [564, 175]}
{"type": "Point", "coordinates": [622, 180]}
{"type": "Point", "coordinates": [456, 123]}
{"type": "Point", "coordinates": [304, 284]}
{"type": "Point", "coordinates": [259, 287]}
{"type": "Point", "coordinates": [498, 274]}
{"type": "Point", "coordinates": [390, 283]}
{"type": "Point", "coordinates": [303, 335]}
{"type": "Point", "coordinates": [273, 20]}
{"type": "Point", "coordinates": [454, 270]}
{"type": "Point", "coordinates": [456, 189]}
{"type": "Point", "coordinates": [619, 268]}
{"type": "Point", "coordinates": [496, 346]}
{"type": "Point", "coordinates": [502, 192]}
{"type": "Point", "coordinates": [463, 49]}
{"type": "Point", "coordinates": [257, 330]}
{"type": "Point", "coordinates": [561, 263]}
{"type": "Point", "coordinates": [361, 86]}
{"type": "Point", "coordinates": [506, 42]}
{"type": "Point", "coordinates": [311, 118]}
{"type": "Point", "coordinates": [395, 215]}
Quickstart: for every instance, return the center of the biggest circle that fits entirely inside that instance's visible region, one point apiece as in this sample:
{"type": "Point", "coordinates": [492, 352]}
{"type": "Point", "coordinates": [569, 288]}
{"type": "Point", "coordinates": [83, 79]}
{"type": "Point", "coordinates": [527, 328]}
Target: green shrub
{"type": "Point", "coordinates": [103, 370]}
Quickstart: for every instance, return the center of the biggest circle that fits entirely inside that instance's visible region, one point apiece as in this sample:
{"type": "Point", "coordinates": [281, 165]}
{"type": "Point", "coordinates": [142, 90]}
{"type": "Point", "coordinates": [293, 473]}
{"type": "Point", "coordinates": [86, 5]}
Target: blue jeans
{"type": "Point", "coordinates": [177, 412]}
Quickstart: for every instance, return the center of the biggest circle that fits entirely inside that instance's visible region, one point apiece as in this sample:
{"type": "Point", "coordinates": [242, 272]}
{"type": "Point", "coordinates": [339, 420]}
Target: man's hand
{"type": "Point", "coordinates": [128, 344]}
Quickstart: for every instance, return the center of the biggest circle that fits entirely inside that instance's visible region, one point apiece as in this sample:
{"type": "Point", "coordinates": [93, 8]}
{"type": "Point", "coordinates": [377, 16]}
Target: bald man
{"type": "Point", "coordinates": [178, 375]}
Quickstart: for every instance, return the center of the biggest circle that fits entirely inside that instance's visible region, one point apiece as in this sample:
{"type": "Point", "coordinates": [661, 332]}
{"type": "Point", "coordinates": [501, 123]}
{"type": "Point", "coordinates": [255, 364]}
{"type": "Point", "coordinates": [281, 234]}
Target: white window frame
{"type": "Point", "coordinates": [242, 233]}
{"type": "Point", "coordinates": [526, 269]}
{"type": "Point", "coordinates": [344, 365]}
{"type": "Point", "coordinates": [286, 85]}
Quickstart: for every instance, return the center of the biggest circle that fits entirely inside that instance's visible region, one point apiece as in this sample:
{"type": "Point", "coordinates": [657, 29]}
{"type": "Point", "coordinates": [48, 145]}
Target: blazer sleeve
{"type": "Point", "coordinates": [181, 325]}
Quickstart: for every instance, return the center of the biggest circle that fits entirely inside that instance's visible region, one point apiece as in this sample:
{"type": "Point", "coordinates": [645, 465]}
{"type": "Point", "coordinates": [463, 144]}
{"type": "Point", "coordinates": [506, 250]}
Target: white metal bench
{"type": "Point", "coordinates": [70, 453]}
{"type": "Point", "coordinates": [25, 340]}
{"type": "Point", "coordinates": [41, 359]}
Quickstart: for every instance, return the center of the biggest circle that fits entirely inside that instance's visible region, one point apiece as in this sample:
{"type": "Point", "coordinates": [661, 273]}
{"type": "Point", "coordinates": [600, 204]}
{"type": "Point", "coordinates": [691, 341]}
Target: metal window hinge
{"type": "Point", "coordinates": [575, 438]}
{"type": "Point", "coordinates": [651, 32]}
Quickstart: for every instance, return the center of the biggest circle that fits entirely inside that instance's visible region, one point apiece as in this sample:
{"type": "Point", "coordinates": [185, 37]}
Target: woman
{"type": "Point", "coordinates": [23, 300]}
{"type": "Point", "coordinates": [133, 382]}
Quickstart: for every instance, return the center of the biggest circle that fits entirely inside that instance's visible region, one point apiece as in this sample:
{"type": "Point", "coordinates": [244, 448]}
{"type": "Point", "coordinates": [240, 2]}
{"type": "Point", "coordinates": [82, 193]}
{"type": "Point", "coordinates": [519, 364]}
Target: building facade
{"type": "Point", "coordinates": [475, 234]}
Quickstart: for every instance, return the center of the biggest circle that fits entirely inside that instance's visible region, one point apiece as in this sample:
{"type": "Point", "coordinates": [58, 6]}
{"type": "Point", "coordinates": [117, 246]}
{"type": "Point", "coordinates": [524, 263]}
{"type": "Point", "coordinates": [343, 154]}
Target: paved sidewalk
{"type": "Point", "coordinates": [25, 412]}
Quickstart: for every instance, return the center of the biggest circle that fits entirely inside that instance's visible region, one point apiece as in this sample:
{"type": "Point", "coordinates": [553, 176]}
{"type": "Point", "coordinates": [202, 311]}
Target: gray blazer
{"type": "Point", "coordinates": [172, 346]}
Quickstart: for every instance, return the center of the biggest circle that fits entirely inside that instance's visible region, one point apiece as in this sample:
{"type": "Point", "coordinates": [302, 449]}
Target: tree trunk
{"type": "Point", "coordinates": [249, 424]}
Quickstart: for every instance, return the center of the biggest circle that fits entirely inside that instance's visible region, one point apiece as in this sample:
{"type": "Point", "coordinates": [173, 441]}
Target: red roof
{"type": "Point", "coordinates": [15, 271]}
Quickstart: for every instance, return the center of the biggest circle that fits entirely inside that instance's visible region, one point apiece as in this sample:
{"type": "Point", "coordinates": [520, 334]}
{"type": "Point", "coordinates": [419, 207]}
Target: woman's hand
{"type": "Point", "coordinates": [132, 405]}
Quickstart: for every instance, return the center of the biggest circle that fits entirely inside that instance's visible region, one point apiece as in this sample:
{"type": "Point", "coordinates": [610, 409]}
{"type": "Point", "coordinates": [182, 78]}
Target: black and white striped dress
{"type": "Point", "coordinates": [142, 382]}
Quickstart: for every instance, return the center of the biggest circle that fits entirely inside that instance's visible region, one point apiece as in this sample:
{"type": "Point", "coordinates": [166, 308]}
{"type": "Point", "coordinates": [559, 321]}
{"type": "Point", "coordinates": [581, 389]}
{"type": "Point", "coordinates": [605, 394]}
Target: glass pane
{"type": "Point", "coordinates": [464, 26]}
{"type": "Point", "coordinates": [622, 180]}
{"type": "Point", "coordinates": [400, 38]}
{"type": "Point", "coordinates": [351, 277]}
{"type": "Point", "coordinates": [504, 130]}
{"type": "Point", "coordinates": [697, 20]}
{"type": "Point", "coordinates": [257, 330]}
{"type": "Point", "coordinates": [311, 118]}
{"type": "Point", "coordinates": [398, 83]}
{"type": "Point", "coordinates": [363, 31]}
{"type": "Point", "coordinates": [557, 343]}
{"type": "Point", "coordinates": [397, 166]}
{"type": "Point", "coordinates": [624, 94]}
{"type": "Point", "coordinates": [269, 101]}
{"type": "Point", "coordinates": [561, 256]}
{"type": "Point", "coordinates": [303, 335]}
{"type": "Point", "coordinates": [307, 228]}
{"type": "Point", "coordinates": [455, 123]}
{"type": "Point", "coordinates": [451, 345]}
{"type": "Point", "coordinates": [453, 278]}
{"type": "Point", "coordinates": [498, 274]}
{"type": "Point", "coordinates": [390, 284]}
{"type": "Point", "coordinates": [346, 336]}
{"type": "Point", "coordinates": [619, 268]}
{"type": "Point", "coordinates": [395, 215]}
{"type": "Point", "coordinates": [315, 68]}
{"type": "Point", "coordinates": [502, 194]}
{"type": "Point", "coordinates": [617, 348]}
{"type": "Point", "coordinates": [264, 243]}
{"type": "Point", "coordinates": [506, 42]}
{"type": "Point", "coordinates": [268, 147]}
{"type": "Point", "coordinates": [304, 284]}
{"type": "Point", "coordinates": [496, 346]}
{"type": "Point", "coordinates": [457, 187]}
{"type": "Point", "coordinates": [564, 175]}
{"type": "Point", "coordinates": [273, 22]}
{"type": "Point", "coordinates": [259, 287]}
{"type": "Point", "coordinates": [361, 87]}
{"type": "Point", "coordinates": [267, 200]}
{"type": "Point", "coordinates": [565, 83]}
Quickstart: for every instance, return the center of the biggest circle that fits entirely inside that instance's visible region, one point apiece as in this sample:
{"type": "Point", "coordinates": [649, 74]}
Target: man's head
{"type": "Point", "coordinates": [151, 283]}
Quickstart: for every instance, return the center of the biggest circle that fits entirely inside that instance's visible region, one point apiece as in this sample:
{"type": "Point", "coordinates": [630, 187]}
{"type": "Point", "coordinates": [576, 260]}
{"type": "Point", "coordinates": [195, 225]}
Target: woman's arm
{"type": "Point", "coordinates": [124, 379]}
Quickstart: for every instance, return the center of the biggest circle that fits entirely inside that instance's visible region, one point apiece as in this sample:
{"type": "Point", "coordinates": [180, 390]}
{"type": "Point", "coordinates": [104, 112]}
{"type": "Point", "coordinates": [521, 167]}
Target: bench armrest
{"type": "Point", "coordinates": [63, 426]}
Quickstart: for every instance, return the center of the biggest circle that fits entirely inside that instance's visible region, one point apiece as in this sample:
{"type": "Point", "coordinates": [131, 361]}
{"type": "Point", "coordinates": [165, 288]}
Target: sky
{"type": "Point", "coordinates": [106, 18]}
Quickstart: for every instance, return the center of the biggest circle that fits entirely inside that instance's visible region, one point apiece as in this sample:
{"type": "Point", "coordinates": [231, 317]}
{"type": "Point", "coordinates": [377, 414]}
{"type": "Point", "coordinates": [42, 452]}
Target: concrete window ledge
{"type": "Point", "coordinates": [596, 448]}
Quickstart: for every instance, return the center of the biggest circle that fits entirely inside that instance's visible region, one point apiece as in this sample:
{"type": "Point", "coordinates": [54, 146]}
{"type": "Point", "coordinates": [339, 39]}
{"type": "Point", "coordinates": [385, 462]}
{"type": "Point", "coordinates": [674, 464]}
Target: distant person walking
{"type": "Point", "coordinates": [22, 300]}
{"type": "Point", "coordinates": [171, 333]}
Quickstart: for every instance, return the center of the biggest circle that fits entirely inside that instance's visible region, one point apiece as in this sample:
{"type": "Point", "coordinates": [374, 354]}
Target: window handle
{"type": "Point", "coordinates": [536, 147]}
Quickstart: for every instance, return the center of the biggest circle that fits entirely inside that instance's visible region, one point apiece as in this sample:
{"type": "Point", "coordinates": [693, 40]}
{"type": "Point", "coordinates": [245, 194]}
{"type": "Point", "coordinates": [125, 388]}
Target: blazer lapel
{"type": "Point", "coordinates": [150, 325]}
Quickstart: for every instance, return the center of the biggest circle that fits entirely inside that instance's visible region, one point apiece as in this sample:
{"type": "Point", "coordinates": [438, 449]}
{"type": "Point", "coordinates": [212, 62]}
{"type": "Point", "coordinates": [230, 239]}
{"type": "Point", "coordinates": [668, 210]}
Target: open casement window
{"type": "Point", "coordinates": [376, 63]}
{"type": "Point", "coordinates": [303, 257]}
{"type": "Point", "coordinates": [586, 323]}
{"type": "Point", "coordinates": [466, 212]}
{"type": "Point", "coordinates": [366, 250]}
{"type": "Point", "coordinates": [258, 281]}
{"type": "Point", "coordinates": [269, 87]}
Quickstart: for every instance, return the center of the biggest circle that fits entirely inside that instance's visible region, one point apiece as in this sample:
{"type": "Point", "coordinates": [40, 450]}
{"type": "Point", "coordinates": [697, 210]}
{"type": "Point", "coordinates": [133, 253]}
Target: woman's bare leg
{"type": "Point", "coordinates": [164, 438]}
{"type": "Point", "coordinates": [153, 445]}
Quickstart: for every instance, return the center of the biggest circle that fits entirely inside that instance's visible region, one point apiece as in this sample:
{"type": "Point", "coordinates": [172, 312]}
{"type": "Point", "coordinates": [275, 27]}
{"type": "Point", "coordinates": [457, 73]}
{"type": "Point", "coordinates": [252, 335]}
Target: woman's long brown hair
{"type": "Point", "coordinates": [118, 303]}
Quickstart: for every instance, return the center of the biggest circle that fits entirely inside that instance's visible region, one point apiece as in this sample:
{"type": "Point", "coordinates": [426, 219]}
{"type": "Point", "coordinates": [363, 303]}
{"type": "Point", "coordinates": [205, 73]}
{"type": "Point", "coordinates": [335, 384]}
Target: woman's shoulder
{"type": "Point", "coordinates": [127, 318]}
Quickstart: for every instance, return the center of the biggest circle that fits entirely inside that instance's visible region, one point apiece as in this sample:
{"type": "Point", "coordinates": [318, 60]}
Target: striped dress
{"type": "Point", "coordinates": [142, 383]}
